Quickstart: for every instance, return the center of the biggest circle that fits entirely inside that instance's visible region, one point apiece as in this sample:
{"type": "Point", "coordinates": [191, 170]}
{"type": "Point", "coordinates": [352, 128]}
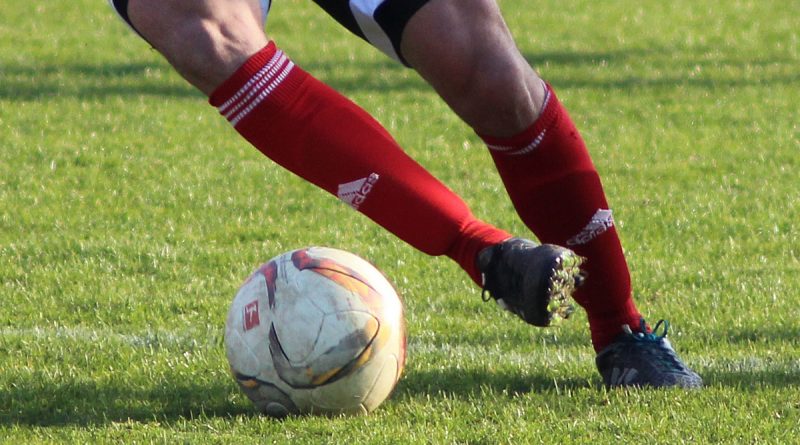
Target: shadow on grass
{"type": "Point", "coordinates": [760, 334]}
{"type": "Point", "coordinates": [45, 81]}
{"type": "Point", "coordinates": [42, 80]}
{"type": "Point", "coordinates": [752, 379]}
{"type": "Point", "coordinates": [584, 58]}
{"type": "Point", "coordinates": [465, 384]}
{"type": "Point", "coordinates": [461, 383]}
{"type": "Point", "coordinates": [673, 81]}
{"type": "Point", "coordinates": [677, 66]}
{"type": "Point", "coordinates": [86, 403]}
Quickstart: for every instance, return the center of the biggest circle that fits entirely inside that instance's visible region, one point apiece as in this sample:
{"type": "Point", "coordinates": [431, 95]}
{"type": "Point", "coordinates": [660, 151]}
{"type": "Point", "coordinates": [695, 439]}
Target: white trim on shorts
{"type": "Point", "coordinates": [364, 13]}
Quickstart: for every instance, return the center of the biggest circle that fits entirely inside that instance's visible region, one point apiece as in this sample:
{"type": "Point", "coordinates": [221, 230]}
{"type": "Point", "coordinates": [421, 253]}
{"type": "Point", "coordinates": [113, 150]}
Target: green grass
{"type": "Point", "coordinates": [130, 212]}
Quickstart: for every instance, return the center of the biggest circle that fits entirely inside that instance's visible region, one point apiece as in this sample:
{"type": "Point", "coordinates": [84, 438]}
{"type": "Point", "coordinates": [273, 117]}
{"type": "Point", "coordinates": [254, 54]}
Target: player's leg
{"type": "Point", "coordinates": [220, 47]}
{"type": "Point", "coordinates": [465, 51]}
{"type": "Point", "coordinates": [206, 41]}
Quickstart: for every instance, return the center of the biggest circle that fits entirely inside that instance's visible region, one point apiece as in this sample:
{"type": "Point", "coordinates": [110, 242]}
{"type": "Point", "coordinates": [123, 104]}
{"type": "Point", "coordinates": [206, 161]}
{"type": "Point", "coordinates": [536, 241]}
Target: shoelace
{"type": "Point", "coordinates": [651, 336]}
{"type": "Point", "coordinates": [665, 356]}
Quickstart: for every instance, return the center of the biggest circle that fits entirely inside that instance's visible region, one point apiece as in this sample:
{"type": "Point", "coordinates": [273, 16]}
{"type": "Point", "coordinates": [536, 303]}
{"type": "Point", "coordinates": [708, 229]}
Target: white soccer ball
{"type": "Point", "coordinates": [316, 331]}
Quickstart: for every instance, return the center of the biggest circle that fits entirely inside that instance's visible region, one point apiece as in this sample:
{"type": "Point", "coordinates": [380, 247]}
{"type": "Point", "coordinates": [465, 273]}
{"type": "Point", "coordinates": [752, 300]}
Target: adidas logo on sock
{"type": "Point", "coordinates": [355, 192]}
{"type": "Point", "coordinates": [600, 222]}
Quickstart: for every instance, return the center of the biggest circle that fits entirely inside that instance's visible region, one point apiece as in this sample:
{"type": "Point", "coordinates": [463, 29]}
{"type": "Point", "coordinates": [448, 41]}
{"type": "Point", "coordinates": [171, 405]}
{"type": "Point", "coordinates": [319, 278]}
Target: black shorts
{"type": "Point", "coordinates": [379, 22]}
{"type": "Point", "coordinates": [121, 6]}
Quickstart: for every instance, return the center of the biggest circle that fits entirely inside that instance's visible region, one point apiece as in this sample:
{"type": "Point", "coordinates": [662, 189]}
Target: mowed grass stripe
{"type": "Point", "coordinates": [102, 340]}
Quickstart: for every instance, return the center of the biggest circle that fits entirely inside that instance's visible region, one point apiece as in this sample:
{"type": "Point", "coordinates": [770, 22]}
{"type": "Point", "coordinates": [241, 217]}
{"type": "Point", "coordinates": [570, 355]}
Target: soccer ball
{"type": "Point", "coordinates": [316, 331]}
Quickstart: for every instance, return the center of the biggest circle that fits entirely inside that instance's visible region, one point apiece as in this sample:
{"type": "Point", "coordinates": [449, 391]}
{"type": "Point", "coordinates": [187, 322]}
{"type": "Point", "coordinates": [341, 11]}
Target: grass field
{"type": "Point", "coordinates": [130, 212]}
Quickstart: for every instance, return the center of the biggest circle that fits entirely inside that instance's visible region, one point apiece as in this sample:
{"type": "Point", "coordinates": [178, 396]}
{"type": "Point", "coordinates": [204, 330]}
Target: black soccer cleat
{"type": "Point", "coordinates": [532, 281]}
{"type": "Point", "coordinates": [644, 359]}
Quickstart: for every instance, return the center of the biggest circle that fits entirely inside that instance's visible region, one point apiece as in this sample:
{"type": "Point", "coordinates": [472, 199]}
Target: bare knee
{"type": "Point", "coordinates": [465, 51]}
{"type": "Point", "coordinates": [205, 41]}
{"type": "Point", "coordinates": [497, 95]}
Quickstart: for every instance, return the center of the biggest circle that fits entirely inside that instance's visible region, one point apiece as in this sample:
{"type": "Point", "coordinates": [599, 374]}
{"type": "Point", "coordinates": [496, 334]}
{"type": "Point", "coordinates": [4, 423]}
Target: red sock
{"type": "Point", "coordinates": [556, 190]}
{"type": "Point", "coordinates": [313, 131]}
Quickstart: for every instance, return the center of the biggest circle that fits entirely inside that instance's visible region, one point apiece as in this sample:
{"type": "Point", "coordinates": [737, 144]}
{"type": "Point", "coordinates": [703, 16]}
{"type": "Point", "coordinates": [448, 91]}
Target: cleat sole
{"type": "Point", "coordinates": [565, 278]}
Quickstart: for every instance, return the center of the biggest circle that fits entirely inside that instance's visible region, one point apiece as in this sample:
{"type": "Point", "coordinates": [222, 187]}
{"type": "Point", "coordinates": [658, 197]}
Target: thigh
{"type": "Point", "coordinates": [121, 7]}
{"type": "Point", "coordinates": [204, 40]}
{"type": "Point", "coordinates": [379, 22]}
{"type": "Point", "coordinates": [464, 49]}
